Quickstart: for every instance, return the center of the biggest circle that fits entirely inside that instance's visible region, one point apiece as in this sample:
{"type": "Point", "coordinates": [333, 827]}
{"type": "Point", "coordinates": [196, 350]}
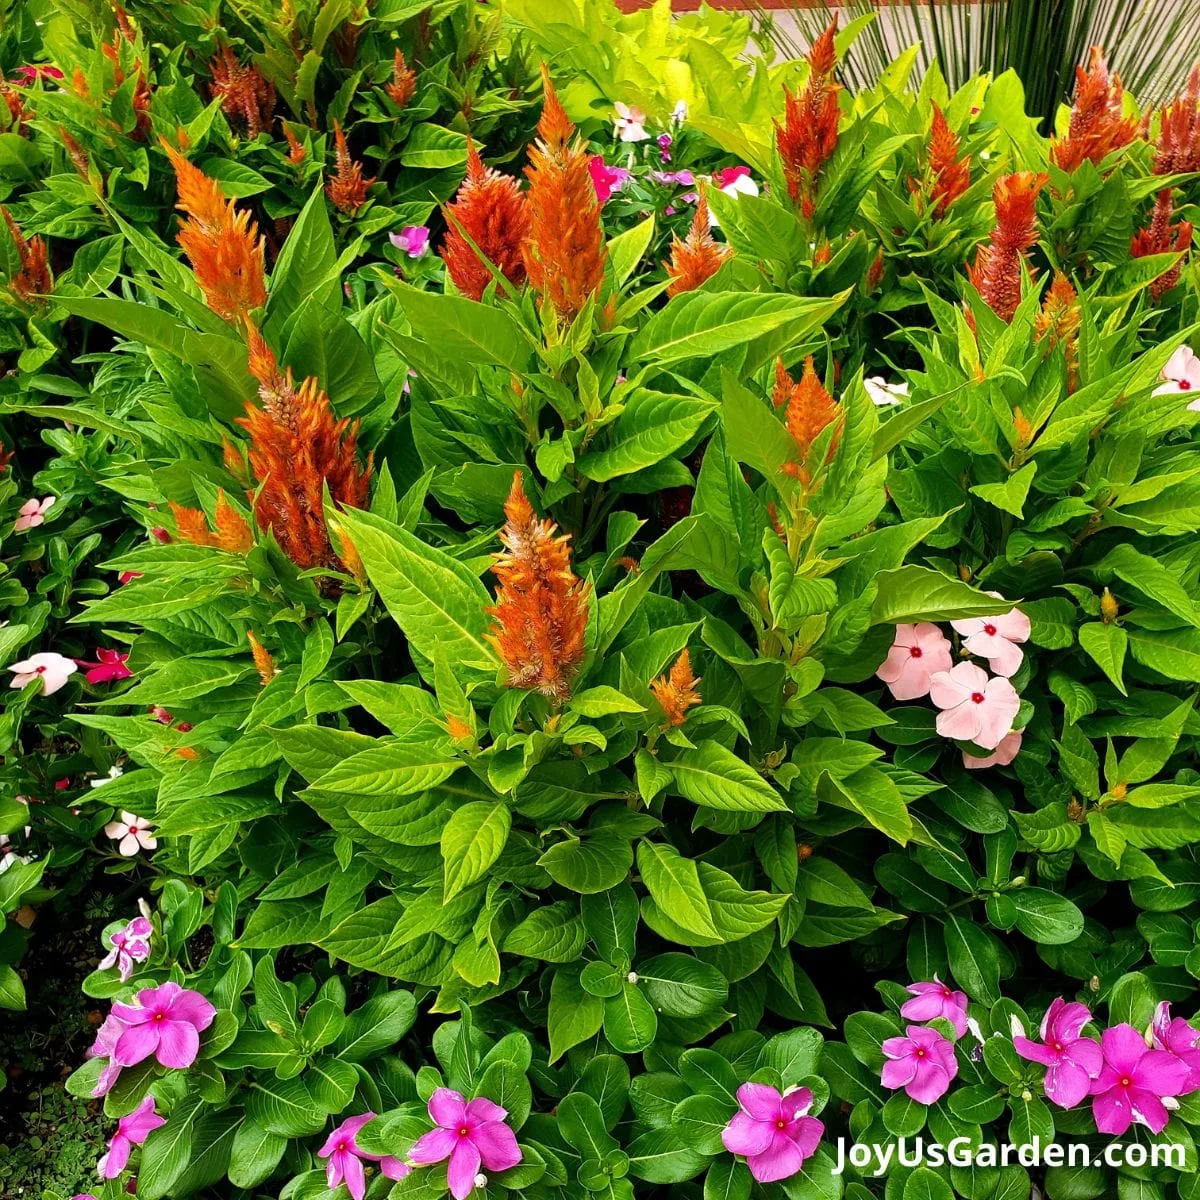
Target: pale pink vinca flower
{"type": "Point", "coordinates": [130, 945]}
{"type": "Point", "coordinates": [1134, 1082]}
{"type": "Point", "coordinates": [630, 123]}
{"type": "Point", "coordinates": [132, 1130]}
{"type": "Point", "coordinates": [1181, 377]}
{"type": "Point", "coordinates": [131, 833]}
{"type": "Point", "coordinates": [346, 1158]}
{"type": "Point", "coordinates": [996, 638]}
{"type": "Point", "coordinates": [1179, 1038]}
{"type": "Point", "coordinates": [917, 652]}
{"type": "Point", "coordinates": [1009, 748]}
{"type": "Point", "coordinates": [974, 708]}
{"type": "Point", "coordinates": [1072, 1061]}
{"type": "Point", "coordinates": [52, 669]}
{"type": "Point", "coordinates": [922, 1063]}
{"type": "Point", "coordinates": [165, 1022]}
{"type": "Point", "coordinates": [936, 999]}
{"type": "Point", "coordinates": [32, 514]}
{"type": "Point", "coordinates": [772, 1131]}
{"type": "Point", "coordinates": [469, 1133]}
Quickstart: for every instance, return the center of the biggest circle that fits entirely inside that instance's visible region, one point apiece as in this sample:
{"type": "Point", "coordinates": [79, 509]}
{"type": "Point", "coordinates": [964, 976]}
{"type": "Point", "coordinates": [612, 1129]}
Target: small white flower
{"type": "Point", "coordinates": [1015, 1027]}
{"type": "Point", "coordinates": [52, 669]}
{"type": "Point", "coordinates": [10, 857]}
{"type": "Point", "coordinates": [113, 773]}
{"type": "Point", "coordinates": [481, 1181]}
{"type": "Point", "coordinates": [679, 113]}
{"type": "Point", "coordinates": [131, 833]}
{"type": "Point", "coordinates": [884, 394]}
{"type": "Point", "coordinates": [630, 125]}
{"type": "Point", "coordinates": [632, 977]}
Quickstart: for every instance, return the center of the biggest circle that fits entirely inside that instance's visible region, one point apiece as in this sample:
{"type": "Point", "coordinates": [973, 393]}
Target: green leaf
{"type": "Point", "coordinates": [651, 428]}
{"type": "Point", "coordinates": [679, 985]}
{"type": "Point", "coordinates": [674, 885]}
{"type": "Point", "coordinates": [629, 1021]}
{"type": "Point", "coordinates": [574, 1015]}
{"type": "Point", "coordinates": [974, 959]}
{"type": "Point", "coordinates": [554, 933]}
{"type": "Point", "coordinates": [1046, 917]}
{"type": "Point", "coordinates": [306, 266]}
{"type": "Point", "coordinates": [713, 776]}
{"type": "Point", "coordinates": [12, 989]}
{"type": "Point", "coordinates": [377, 1025]}
{"type": "Point", "coordinates": [625, 250]}
{"type": "Point", "coordinates": [472, 840]}
{"type": "Point", "coordinates": [1010, 495]}
{"type": "Point", "coordinates": [589, 865]}
{"type": "Point", "coordinates": [914, 593]}
{"type": "Point", "coordinates": [1106, 645]}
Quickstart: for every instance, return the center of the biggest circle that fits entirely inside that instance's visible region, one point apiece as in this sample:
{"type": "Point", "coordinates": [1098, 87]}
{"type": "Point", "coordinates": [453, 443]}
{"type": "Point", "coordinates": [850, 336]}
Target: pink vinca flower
{"type": "Point", "coordinates": [996, 638]}
{"type": "Point", "coordinates": [630, 123]}
{"type": "Point", "coordinates": [129, 946]}
{"type": "Point", "coordinates": [922, 1063]}
{"type": "Point", "coordinates": [52, 669]}
{"type": "Point", "coordinates": [131, 1131]}
{"type": "Point", "coordinates": [605, 179]}
{"type": "Point", "coordinates": [128, 577]}
{"type": "Point", "coordinates": [1072, 1062]}
{"type": "Point", "coordinates": [733, 181]}
{"type": "Point", "coordinates": [1179, 1038]}
{"type": "Point", "coordinates": [936, 999]}
{"type": "Point", "coordinates": [166, 1022]}
{"type": "Point", "coordinates": [468, 1133]}
{"type": "Point", "coordinates": [773, 1132]}
{"type": "Point", "coordinates": [131, 833]}
{"type": "Point", "coordinates": [1010, 746]}
{"type": "Point", "coordinates": [917, 652]}
{"type": "Point", "coordinates": [1134, 1081]}
{"type": "Point", "coordinates": [108, 667]}
{"type": "Point", "coordinates": [1181, 376]}
{"type": "Point", "coordinates": [974, 708]}
{"type": "Point", "coordinates": [105, 1046]}
{"type": "Point", "coordinates": [412, 239]}
{"type": "Point", "coordinates": [26, 75]}
{"type": "Point", "coordinates": [32, 514]}
{"type": "Point", "coordinates": [345, 1163]}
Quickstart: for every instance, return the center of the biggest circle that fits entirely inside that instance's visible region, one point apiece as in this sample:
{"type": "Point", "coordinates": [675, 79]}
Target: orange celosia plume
{"type": "Point", "coordinates": [697, 257]}
{"type": "Point", "coordinates": [1097, 125]}
{"type": "Point", "coordinates": [541, 609]}
{"type": "Point", "coordinates": [810, 410]}
{"type": "Point", "coordinates": [264, 664]}
{"type": "Point", "coordinates": [951, 174]}
{"type": "Point", "coordinates": [246, 97]}
{"type": "Point", "coordinates": [347, 189]}
{"type": "Point", "coordinates": [403, 85]}
{"type": "Point", "coordinates": [996, 272]}
{"type": "Point", "coordinates": [1058, 322]}
{"type": "Point", "coordinates": [1162, 236]}
{"type": "Point", "coordinates": [221, 243]}
{"type": "Point", "coordinates": [809, 133]}
{"type": "Point", "coordinates": [231, 532]}
{"type": "Point", "coordinates": [492, 212]}
{"type": "Point", "coordinates": [297, 447]}
{"type": "Point", "coordinates": [1179, 132]}
{"type": "Point", "coordinates": [140, 101]}
{"type": "Point", "coordinates": [564, 252]}
{"type": "Point", "coordinates": [32, 279]}
{"type": "Point", "coordinates": [676, 690]}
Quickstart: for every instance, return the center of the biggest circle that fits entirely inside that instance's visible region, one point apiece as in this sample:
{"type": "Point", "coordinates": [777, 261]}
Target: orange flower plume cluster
{"type": "Point", "coordinates": [347, 189]}
{"type": "Point", "coordinates": [1097, 126]}
{"type": "Point", "coordinates": [809, 133]}
{"type": "Point", "coordinates": [564, 252]}
{"type": "Point", "coordinates": [951, 175]}
{"type": "Point", "coordinates": [403, 85]}
{"type": "Point", "coordinates": [141, 89]}
{"type": "Point", "coordinates": [231, 531]}
{"type": "Point", "coordinates": [810, 409]}
{"type": "Point", "coordinates": [697, 257]}
{"type": "Point", "coordinates": [264, 664]}
{"type": "Point", "coordinates": [996, 272]}
{"type": "Point", "coordinates": [297, 447]}
{"type": "Point", "coordinates": [541, 609]}
{"type": "Point", "coordinates": [246, 97]}
{"type": "Point", "coordinates": [31, 280]}
{"type": "Point", "coordinates": [1162, 236]}
{"type": "Point", "coordinates": [297, 151]}
{"type": "Point", "coordinates": [221, 243]}
{"type": "Point", "coordinates": [1058, 323]}
{"type": "Point", "coordinates": [492, 212]}
{"type": "Point", "coordinates": [676, 690]}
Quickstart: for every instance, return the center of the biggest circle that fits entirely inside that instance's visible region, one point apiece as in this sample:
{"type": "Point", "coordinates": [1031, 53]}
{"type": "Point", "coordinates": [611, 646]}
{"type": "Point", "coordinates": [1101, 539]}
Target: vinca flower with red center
{"type": "Point", "coordinates": [1181, 376]}
{"type": "Point", "coordinates": [52, 669]}
{"type": "Point", "coordinates": [109, 666]}
{"type": "Point", "coordinates": [1072, 1061]}
{"type": "Point", "coordinates": [975, 708]}
{"type": "Point", "coordinates": [936, 999]}
{"type": "Point", "coordinates": [1133, 1083]}
{"type": "Point", "coordinates": [772, 1131]}
{"type": "Point", "coordinates": [996, 638]}
{"type": "Point", "coordinates": [922, 1063]}
{"type": "Point", "coordinates": [346, 1158]}
{"type": "Point", "coordinates": [917, 652]}
{"type": "Point", "coordinates": [32, 514]}
{"type": "Point", "coordinates": [132, 1130]}
{"type": "Point", "coordinates": [469, 1133]}
{"type": "Point", "coordinates": [166, 1022]}
{"type": "Point", "coordinates": [131, 833]}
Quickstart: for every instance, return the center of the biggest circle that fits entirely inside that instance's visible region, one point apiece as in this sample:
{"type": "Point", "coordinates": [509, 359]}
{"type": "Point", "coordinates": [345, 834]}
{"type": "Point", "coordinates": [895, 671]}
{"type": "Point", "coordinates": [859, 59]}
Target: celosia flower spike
{"type": "Point", "coordinates": [221, 243]}
{"type": "Point", "coordinates": [541, 608]}
{"type": "Point", "coordinates": [997, 269]}
{"type": "Point", "coordinates": [810, 408]}
{"type": "Point", "coordinates": [403, 85]}
{"type": "Point", "coordinates": [1097, 125]}
{"type": "Point", "coordinates": [1179, 132]}
{"type": "Point", "coordinates": [264, 664]}
{"type": "Point", "coordinates": [246, 97]}
{"type": "Point", "coordinates": [676, 691]}
{"type": "Point", "coordinates": [951, 175]}
{"type": "Point", "coordinates": [31, 281]}
{"type": "Point", "coordinates": [1161, 236]}
{"type": "Point", "coordinates": [564, 252]}
{"type": "Point", "coordinates": [491, 211]}
{"type": "Point", "coordinates": [697, 257]}
{"type": "Point", "coordinates": [232, 533]}
{"type": "Point", "coordinates": [347, 189]}
{"type": "Point", "coordinates": [1059, 323]}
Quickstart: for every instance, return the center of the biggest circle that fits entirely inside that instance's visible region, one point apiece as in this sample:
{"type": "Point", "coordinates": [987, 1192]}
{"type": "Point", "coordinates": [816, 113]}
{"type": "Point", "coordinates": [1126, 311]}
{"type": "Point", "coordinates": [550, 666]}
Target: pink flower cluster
{"type": "Point", "coordinates": [773, 1131]}
{"type": "Point", "coordinates": [973, 706]}
{"type": "Point", "coordinates": [346, 1159]}
{"type": "Point", "coordinates": [1130, 1081]}
{"type": "Point", "coordinates": [469, 1135]}
{"type": "Point", "coordinates": [129, 945]}
{"type": "Point", "coordinates": [132, 1130]}
{"type": "Point", "coordinates": [922, 1062]}
{"type": "Point", "coordinates": [164, 1022]}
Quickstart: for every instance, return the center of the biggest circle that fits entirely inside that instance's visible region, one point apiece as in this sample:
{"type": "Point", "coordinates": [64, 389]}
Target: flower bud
{"type": "Point", "coordinates": [1108, 607]}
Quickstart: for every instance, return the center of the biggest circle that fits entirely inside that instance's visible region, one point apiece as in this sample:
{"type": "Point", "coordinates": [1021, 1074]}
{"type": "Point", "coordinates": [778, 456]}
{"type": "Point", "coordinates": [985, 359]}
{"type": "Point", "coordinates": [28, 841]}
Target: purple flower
{"type": "Point", "coordinates": [345, 1163]}
{"type": "Point", "coordinates": [104, 1047]}
{"type": "Point", "coordinates": [773, 1132]}
{"type": "Point", "coordinates": [131, 1131]}
{"type": "Point", "coordinates": [129, 945]}
{"type": "Point", "coordinates": [922, 1063]}
{"type": "Point", "coordinates": [468, 1133]}
{"type": "Point", "coordinates": [1133, 1081]}
{"type": "Point", "coordinates": [1177, 1037]}
{"type": "Point", "coordinates": [1072, 1062]}
{"type": "Point", "coordinates": [936, 999]}
{"type": "Point", "coordinates": [684, 177]}
{"type": "Point", "coordinates": [412, 239]}
{"type": "Point", "coordinates": [605, 179]}
{"type": "Point", "coordinates": [165, 1022]}
{"type": "Point", "coordinates": [664, 146]}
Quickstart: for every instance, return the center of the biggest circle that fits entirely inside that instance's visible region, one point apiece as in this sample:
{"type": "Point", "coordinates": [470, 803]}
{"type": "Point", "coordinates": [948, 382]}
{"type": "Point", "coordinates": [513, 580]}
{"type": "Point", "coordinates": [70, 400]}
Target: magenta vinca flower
{"type": "Point", "coordinates": [469, 1133]}
{"type": "Point", "coordinates": [996, 638]}
{"type": "Point", "coordinates": [131, 1131]}
{"type": "Point", "coordinates": [922, 1063]}
{"type": "Point", "coordinates": [917, 652]}
{"type": "Point", "coordinates": [165, 1022]}
{"type": "Point", "coordinates": [345, 1163]}
{"type": "Point", "coordinates": [104, 1047]}
{"type": "Point", "coordinates": [773, 1132]}
{"type": "Point", "coordinates": [605, 179]}
{"type": "Point", "coordinates": [129, 945]}
{"type": "Point", "coordinates": [108, 667]}
{"type": "Point", "coordinates": [412, 239]}
{"type": "Point", "coordinates": [974, 708]}
{"type": "Point", "coordinates": [1134, 1081]}
{"type": "Point", "coordinates": [936, 999]}
{"type": "Point", "coordinates": [1072, 1062]}
{"type": "Point", "coordinates": [1179, 1038]}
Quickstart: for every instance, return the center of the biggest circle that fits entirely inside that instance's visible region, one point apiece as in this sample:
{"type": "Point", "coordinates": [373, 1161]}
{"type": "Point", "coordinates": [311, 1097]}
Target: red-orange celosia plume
{"type": "Point", "coordinates": [676, 691]}
{"type": "Point", "coordinates": [541, 609]}
{"type": "Point", "coordinates": [230, 530]}
{"type": "Point", "coordinates": [996, 272]}
{"type": "Point", "coordinates": [696, 258]}
{"type": "Point", "coordinates": [32, 279]}
{"type": "Point", "coordinates": [247, 99]}
{"type": "Point", "coordinates": [347, 188]}
{"type": "Point", "coordinates": [951, 175]}
{"type": "Point", "coordinates": [1058, 322]}
{"type": "Point", "coordinates": [403, 84]}
{"type": "Point", "coordinates": [1097, 126]}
